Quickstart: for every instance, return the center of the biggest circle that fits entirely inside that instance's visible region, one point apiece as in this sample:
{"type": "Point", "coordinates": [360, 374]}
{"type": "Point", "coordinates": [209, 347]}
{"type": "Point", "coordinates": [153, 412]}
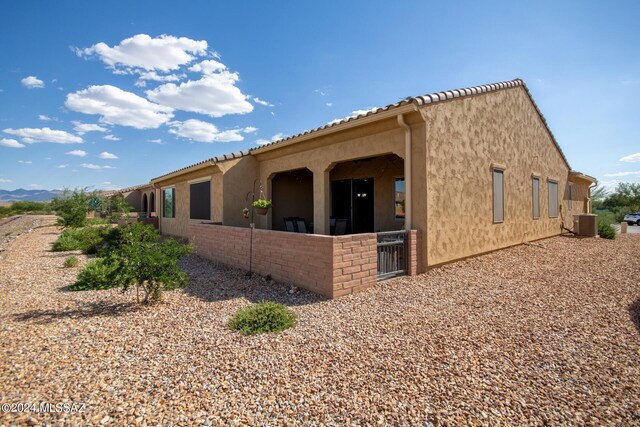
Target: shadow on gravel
{"type": "Point", "coordinates": [634, 313]}
{"type": "Point", "coordinates": [210, 281]}
{"type": "Point", "coordinates": [86, 311]}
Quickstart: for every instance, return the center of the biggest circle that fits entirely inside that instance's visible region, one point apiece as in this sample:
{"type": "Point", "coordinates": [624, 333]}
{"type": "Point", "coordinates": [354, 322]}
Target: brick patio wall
{"type": "Point", "coordinates": [329, 265]}
{"type": "Point", "coordinates": [415, 265]}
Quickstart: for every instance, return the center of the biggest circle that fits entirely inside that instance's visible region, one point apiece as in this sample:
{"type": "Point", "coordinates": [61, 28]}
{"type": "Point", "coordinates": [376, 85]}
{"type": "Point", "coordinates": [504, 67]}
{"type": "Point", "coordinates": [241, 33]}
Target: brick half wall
{"type": "Point", "coordinates": [328, 265]}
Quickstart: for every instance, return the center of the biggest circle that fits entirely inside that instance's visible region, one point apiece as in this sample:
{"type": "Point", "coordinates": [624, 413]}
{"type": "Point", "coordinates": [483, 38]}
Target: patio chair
{"type": "Point", "coordinates": [289, 225]}
{"type": "Point", "coordinates": [302, 227]}
{"type": "Point", "coordinates": [341, 227]}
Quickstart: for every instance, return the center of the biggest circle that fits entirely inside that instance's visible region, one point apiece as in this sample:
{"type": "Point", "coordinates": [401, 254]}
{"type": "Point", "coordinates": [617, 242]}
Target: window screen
{"type": "Point", "coordinates": [536, 198]}
{"type": "Point", "coordinates": [200, 200]}
{"type": "Point", "coordinates": [498, 195]}
{"type": "Point", "coordinates": [169, 205]}
{"type": "Point", "coordinates": [399, 197]}
{"type": "Point", "coordinates": [553, 199]}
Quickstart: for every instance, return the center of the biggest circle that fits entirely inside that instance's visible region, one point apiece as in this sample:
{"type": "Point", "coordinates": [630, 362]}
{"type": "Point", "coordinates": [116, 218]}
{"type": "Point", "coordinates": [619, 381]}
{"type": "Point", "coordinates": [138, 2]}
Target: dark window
{"type": "Point", "coordinates": [536, 197]}
{"type": "Point", "coordinates": [570, 196]}
{"type": "Point", "coordinates": [169, 203]}
{"type": "Point", "coordinates": [200, 200]}
{"type": "Point", "coordinates": [498, 196]}
{"type": "Point", "coordinates": [553, 199]}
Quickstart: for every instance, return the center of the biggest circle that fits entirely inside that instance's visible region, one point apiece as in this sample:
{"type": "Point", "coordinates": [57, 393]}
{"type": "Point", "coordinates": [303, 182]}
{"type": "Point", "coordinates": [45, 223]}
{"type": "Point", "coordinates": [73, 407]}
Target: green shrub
{"type": "Point", "coordinates": [266, 316]}
{"type": "Point", "coordinates": [606, 231]}
{"type": "Point", "coordinates": [100, 273]}
{"type": "Point", "coordinates": [133, 256]}
{"type": "Point", "coordinates": [71, 262]}
{"type": "Point", "coordinates": [74, 205]}
{"type": "Point", "coordinates": [87, 239]}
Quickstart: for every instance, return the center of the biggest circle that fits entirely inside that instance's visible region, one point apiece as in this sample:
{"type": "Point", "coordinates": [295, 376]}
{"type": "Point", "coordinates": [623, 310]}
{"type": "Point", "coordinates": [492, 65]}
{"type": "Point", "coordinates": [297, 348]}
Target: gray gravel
{"type": "Point", "coordinates": [536, 334]}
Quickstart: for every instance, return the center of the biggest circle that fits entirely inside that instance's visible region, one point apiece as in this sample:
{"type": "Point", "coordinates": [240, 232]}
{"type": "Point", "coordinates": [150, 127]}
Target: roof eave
{"type": "Point", "coordinates": [355, 122]}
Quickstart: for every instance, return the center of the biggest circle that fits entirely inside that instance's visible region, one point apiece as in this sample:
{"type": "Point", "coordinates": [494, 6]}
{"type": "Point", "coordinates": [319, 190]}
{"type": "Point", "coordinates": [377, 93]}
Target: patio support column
{"type": "Point", "coordinates": [321, 201]}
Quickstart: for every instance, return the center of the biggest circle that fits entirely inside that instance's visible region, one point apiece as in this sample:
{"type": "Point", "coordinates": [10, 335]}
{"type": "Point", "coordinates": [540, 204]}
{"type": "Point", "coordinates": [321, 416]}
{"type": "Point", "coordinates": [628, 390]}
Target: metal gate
{"type": "Point", "coordinates": [392, 254]}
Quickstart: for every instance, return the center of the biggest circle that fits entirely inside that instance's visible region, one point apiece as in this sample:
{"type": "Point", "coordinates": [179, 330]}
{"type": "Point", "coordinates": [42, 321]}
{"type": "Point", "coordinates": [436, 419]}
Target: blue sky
{"type": "Point", "coordinates": [143, 88]}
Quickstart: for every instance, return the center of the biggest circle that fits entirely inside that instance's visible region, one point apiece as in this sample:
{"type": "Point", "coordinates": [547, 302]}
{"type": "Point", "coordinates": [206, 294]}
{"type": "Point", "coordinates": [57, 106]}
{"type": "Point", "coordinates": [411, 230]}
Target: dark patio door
{"type": "Point", "coordinates": [352, 199]}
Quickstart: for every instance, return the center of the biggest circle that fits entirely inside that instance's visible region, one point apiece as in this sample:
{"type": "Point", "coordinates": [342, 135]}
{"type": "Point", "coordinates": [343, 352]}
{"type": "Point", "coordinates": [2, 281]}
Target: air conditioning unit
{"type": "Point", "coordinates": [588, 225]}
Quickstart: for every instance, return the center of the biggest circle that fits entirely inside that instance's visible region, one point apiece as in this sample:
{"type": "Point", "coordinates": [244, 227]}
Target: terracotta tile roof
{"type": "Point", "coordinates": [431, 99]}
{"type": "Point", "coordinates": [213, 160]}
{"type": "Point", "coordinates": [422, 100]}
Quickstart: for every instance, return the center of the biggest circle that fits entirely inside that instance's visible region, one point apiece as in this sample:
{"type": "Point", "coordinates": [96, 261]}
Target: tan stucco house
{"type": "Point", "coordinates": [464, 172]}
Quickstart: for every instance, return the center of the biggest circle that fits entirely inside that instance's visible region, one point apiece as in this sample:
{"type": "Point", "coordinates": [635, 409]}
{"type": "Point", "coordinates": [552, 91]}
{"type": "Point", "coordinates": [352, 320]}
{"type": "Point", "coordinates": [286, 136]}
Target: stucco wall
{"type": "Point", "coordinates": [238, 177]}
{"type": "Point", "coordinates": [178, 226]}
{"type": "Point", "coordinates": [465, 137]}
{"type": "Point", "coordinates": [321, 154]}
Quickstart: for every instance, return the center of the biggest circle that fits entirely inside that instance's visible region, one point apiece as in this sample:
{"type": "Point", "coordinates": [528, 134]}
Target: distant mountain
{"type": "Point", "coordinates": [33, 195]}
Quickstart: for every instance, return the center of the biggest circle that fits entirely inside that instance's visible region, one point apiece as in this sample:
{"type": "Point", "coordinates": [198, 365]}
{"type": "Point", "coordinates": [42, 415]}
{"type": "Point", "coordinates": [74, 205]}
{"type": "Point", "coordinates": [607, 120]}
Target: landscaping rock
{"type": "Point", "coordinates": [527, 335]}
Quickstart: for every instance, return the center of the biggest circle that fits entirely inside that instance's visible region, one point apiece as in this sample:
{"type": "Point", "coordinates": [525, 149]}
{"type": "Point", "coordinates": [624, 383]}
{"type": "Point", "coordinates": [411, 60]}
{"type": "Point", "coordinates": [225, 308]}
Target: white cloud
{"type": "Point", "coordinates": [11, 143]}
{"type": "Point", "coordinates": [118, 107]}
{"type": "Point", "coordinates": [82, 128]}
{"type": "Point", "coordinates": [112, 138]}
{"type": "Point", "coordinates": [320, 92]}
{"type": "Point", "coordinates": [32, 82]}
{"type": "Point", "coordinates": [250, 129]}
{"type": "Point", "coordinates": [79, 153]}
{"type": "Point", "coordinates": [107, 155]}
{"type": "Point", "coordinates": [619, 174]}
{"type": "Point", "coordinates": [262, 102]}
{"type": "Point", "coordinates": [157, 141]}
{"type": "Point", "coordinates": [44, 118]}
{"type": "Point", "coordinates": [631, 158]}
{"type": "Point", "coordinates": [36, 186]}
{"type": "Point", "coordinates": [62, 166]}
{"type": "Point", "coordinates": [274, 138]}
{"type": "Point", "coordinates": [163, 53]}
{"type": "Point", "coordinates": [200, 131]}
{"type": "Point", "coordinates": [152, 75]}
{"type": "Point", "coordinates": [354, 113]}
{"type": "Point", "coordinates": [208, 66]}
{"type": "Point", "coordinates": [329, 104]}
{"type": "Point", "coordinates": [34, 135]}
{"type": "Point", "coordinates": [25, 162]}
{"type": "Point", "coordinates": [214, 95]}
{"type": "Point", "coordinates": [5, 180]}
{"type": "Point", "coordinates": [93, 166]}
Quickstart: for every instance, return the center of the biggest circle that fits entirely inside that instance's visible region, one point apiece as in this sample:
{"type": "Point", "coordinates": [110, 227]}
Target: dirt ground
{"type": "Point", "coordinates": [536, 334]}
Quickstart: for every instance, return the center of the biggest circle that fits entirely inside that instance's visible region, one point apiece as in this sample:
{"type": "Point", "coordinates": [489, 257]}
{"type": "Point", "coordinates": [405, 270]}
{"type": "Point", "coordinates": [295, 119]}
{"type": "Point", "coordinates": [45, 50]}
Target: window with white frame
{"type": "Point", "coordinates": [498, 195]}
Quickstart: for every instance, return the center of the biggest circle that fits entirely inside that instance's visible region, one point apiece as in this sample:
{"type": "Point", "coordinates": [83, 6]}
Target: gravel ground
{"type": "Point", "coordinates": [537, 334]}
{"type": "Point", "coordinates": [13, 226]}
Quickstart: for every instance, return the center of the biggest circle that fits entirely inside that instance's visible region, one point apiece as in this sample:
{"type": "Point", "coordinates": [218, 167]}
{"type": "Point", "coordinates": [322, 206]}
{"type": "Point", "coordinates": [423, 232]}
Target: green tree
{"type": "Point", "coordinates": [135, 256]}
{"type": "Point", "coordinates": [118, 207]}
{"type": "Point", "coordinates": [73, 206]}
{"type": "Point", "coordinates": [598, 195]}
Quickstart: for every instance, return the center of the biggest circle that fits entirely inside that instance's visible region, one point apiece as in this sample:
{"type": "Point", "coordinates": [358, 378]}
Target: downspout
{"type": "Point", "coordinates": [407, 172]}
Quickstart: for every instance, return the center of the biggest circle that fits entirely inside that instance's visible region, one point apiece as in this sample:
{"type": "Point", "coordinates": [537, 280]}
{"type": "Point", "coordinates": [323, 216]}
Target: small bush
{"type": "Point", "coordinates": [606, 231]}
{"type": "Point", "coordinates": [266, 316]}
{"type": "Point", "coordinates": [87, 239]}
{"type": "Point", "coordinates": [98, 274]}
{"type": "Point", "coordinates": [71, 262]}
